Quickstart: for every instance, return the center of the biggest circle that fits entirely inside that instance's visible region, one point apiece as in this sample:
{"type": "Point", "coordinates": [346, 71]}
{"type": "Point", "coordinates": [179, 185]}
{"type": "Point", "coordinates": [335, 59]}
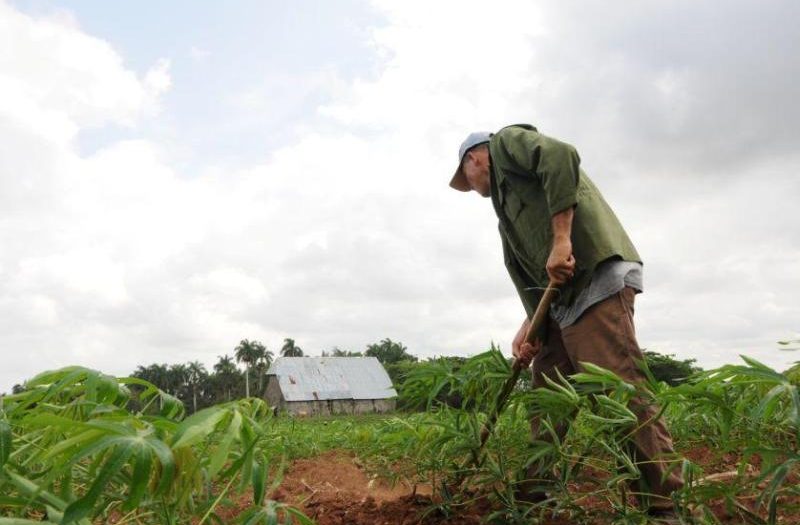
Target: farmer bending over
{"type": "Point", "coordinates": [555, 226]}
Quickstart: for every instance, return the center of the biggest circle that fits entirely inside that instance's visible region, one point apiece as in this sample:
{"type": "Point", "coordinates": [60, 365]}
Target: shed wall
{"type": "Point", "coordinates": [338, 406]}
{"type": "Point", "coordinates": [274, 394]}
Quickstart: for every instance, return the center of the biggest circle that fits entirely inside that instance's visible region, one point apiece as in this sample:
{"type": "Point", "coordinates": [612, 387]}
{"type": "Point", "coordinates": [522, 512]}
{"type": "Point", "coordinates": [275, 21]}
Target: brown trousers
{"type": "Point", "coordinates": [604, 335]}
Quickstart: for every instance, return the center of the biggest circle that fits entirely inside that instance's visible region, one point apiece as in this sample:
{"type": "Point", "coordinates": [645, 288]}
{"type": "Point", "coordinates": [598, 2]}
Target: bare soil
{"type": "Point", "coordinates": [333, 489]}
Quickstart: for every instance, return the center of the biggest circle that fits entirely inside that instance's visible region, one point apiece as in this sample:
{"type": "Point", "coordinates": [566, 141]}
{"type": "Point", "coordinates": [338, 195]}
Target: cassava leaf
{"type": "Point", "coordinates": [6, 438]}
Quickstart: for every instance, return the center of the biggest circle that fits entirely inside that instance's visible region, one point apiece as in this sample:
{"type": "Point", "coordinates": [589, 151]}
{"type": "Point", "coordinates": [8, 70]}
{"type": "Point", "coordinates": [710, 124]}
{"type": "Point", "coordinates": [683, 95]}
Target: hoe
{"type": "Point", "coordinates": [538, 318]}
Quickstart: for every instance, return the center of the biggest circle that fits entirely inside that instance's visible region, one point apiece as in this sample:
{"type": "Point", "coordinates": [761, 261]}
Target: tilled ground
{"type": "Point", "coordinates": [333, 490]}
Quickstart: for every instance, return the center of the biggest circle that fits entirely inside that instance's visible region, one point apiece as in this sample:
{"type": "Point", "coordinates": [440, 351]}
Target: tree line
{"type": "Point", "coordinates": [199, 388]}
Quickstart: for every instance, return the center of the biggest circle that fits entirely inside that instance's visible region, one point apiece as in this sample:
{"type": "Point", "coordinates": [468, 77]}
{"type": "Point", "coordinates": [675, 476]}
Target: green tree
{"type": "Point", "coordinates": [262, 367]}
{"type": "Point", "coordinates": [226, 377]}
{"type": "Point", "coordinates": [178, 379]}
{"type": "Point", "coordinates": [290, 349]}
{"type": "Point", "coordinates": [158, 374]}
{"type": "Point", "coordinates": [389, 352]}
{"type": "Point", "coordinates": [338, 352]}
{"type": "Point", "coordinates": [668, 369]}
{"type": "Point", "coordinates": [197, 377]}
{"type": "Point", "coordinates": [248, 352]}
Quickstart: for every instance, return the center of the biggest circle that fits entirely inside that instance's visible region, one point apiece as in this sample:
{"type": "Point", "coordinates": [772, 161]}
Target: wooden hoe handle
{"type": "Point", "coordinates": [475, 458]}
{"type": "Point", "coordinates": [538, 320]}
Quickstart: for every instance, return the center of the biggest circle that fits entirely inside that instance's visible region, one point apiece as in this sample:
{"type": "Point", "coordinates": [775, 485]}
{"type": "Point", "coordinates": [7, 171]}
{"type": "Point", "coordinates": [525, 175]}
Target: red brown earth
{"type": "Point", "coordinates": [333, 489]}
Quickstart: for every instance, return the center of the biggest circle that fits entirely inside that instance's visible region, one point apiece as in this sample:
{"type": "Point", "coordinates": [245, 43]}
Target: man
{"type": "Point", "coordinates": [556, 227]}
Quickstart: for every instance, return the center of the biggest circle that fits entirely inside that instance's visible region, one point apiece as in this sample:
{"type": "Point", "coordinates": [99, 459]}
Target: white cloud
{"type": "Point", "coordinates": [57, 78]}
{"type": "Point", "coordinates": [349, 234]}
{"type": "Point", "coordinates": [198, 54]}
{"type": "Point", "coordinates": [157, 79]}
{"type": "Point", "coordinates": [447, 64]}
{"type": "Point", "coordinates": [84, 271]}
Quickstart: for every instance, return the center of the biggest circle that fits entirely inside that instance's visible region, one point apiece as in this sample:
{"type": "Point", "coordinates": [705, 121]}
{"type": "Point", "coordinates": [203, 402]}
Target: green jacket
{"type": "Point", "coordinates": [534, 177]}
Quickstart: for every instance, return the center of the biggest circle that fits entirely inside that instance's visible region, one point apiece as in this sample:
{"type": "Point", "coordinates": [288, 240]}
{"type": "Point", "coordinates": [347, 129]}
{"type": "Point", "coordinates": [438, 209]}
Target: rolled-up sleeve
{"type": "Point", "coordinates": [555, 163]}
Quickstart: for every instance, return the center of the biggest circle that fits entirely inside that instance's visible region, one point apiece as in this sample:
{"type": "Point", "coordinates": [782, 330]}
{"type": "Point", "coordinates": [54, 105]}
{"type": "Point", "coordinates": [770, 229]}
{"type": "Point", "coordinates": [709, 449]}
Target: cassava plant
{"type": "Point", "coordinates": [73, 450]}
{"type": "Point", "coordinates": [749, 411]}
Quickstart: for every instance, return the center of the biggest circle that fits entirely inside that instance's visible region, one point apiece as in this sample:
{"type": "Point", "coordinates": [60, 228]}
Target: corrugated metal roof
{"type": "Point", "coordinates": [320, 378]}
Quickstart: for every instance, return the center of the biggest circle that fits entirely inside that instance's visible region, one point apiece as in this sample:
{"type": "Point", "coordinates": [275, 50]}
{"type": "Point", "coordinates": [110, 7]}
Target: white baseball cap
{"type": "Point", "coordinates": [476, 138]}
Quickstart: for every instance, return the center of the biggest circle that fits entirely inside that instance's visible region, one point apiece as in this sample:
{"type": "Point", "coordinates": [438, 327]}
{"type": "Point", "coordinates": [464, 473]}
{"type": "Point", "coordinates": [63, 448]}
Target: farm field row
{"type": "Point", "coordinates": [81, 447]}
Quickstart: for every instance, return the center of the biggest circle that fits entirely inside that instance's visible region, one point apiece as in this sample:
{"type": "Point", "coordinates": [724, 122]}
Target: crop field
{"type": "Point", "coordinates": [77, 446]}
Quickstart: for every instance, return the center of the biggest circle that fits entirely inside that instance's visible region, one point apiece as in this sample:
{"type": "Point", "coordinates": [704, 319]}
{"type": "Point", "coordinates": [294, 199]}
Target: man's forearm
{"type": "Point", "coordinates": [561, 223]}
{"type": "Point", "coordinates": [561, 263]}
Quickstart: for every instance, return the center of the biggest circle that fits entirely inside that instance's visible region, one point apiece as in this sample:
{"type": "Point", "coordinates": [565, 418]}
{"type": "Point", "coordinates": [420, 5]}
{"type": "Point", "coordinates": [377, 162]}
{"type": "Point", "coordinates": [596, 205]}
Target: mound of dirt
{"type": "Point", "coordinates": [333, 490]}
{"type": "Point", "coordinates": [334, 474]}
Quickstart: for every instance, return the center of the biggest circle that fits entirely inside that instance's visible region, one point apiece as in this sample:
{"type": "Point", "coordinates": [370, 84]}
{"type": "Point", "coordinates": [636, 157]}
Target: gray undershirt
{"type": "Point", "coordinates": [609, 278]}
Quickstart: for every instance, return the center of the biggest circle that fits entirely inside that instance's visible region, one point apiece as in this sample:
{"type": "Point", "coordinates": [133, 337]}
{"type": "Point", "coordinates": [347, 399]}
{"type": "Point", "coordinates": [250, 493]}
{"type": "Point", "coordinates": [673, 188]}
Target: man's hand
{"type": "Point", "coordinates": [561, 264]}
{"type": "Point", "coordinates": [523, 351]}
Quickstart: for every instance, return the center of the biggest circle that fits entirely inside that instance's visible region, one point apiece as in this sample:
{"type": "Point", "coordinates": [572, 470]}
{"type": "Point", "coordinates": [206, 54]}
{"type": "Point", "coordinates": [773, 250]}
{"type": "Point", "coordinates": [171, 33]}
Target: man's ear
{"type": "Point", "coordinates": [470, 155]}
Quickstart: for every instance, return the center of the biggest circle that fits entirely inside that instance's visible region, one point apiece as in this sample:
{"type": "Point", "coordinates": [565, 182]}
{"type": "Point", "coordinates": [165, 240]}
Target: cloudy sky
{"type": "Point", "coordinates": [177, 176]}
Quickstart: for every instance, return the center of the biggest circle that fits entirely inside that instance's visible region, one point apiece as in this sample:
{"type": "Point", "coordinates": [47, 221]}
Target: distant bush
{"type": "Point", "coordinates": [668, 369]}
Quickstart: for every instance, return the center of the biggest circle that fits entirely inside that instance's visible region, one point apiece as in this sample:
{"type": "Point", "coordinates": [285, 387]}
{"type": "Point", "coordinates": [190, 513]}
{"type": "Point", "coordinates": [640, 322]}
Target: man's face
{"type": "Point", "coordinates": [476, 170]}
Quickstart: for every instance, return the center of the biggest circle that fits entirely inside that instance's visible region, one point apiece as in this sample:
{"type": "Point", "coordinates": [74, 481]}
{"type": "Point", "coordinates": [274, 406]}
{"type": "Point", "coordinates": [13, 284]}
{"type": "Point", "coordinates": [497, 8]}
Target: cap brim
{"type": "Point", "coordinates": [459, 181]}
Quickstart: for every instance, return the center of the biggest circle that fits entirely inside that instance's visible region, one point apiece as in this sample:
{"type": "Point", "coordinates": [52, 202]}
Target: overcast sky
{"type": "Point", "coordinates": [178, 176]}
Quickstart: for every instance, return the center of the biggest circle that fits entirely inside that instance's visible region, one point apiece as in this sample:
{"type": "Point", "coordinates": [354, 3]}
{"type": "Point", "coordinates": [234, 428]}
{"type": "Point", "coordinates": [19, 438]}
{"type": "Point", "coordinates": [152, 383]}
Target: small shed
{"type": "Point", "coordinates": [330, 385]}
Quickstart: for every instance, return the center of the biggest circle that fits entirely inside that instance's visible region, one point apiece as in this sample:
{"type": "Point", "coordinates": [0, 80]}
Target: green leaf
{"type": "Point", "coordinates": [73, 442]}
{"type": "Point", "coordinates": [171, 406]}
{"type": "Point", "coordinates": [19, 521]}
{"type": "Point", "coordinates": [12, 501]}
{"type": "Point", "coordinates": [301, 518]}
{"type": "Point", "coordinates": [247, 468]}
{"type": "Point", "coordinates": [141, 476]}
{"type": "Point", "coordinates": [5, 442]}
{"type": "Point", "coordinates": [224, 447]}
{"type": "Point", "coordinates": [31, 489]}
{"type": "Point", "coordinates": [779, 474]}
{"type": "Point", "coordinates": [616, 408]}
{"type": "Point", "coordinates": [198, 426]}
{"type": "Point", "coordinates": [50, 377]}
{"type": "Point", "coordinates": [82, 507]}
{"type": "Point", "coordinates": [260, 470]}
{"type": "Point", "coordinates": [167, 460]}
{"type": "Point", "coordinates": [100, 445]}
{"type": "Point", "coordinates": [598, 371]}
{"type": "Point", "coordinates": [769, 402]}
{"type": "Point", "coordinates": [564, 387]}
{"type": "Point", "coordinates": [54, 515]}
{"type": "Point", "coordinates": [272, 514]}
{"type": "Point", "coordinates": [42, 419]}
{"type": "Point", "coordinates": [756, 364]}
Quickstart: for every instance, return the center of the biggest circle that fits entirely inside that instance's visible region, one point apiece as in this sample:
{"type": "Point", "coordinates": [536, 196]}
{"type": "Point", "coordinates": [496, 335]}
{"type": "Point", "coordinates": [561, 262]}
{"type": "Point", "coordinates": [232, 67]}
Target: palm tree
{"type": "Point", "coordinates": [248, 352]}
{"type": "Point", "coordinates": [338, 352]}
{"type": "Point", "coordinates": [289, 349]}
{"type": "Point", "coordinates": [197, 375]}
{"type": "Point", "coordinates": [155, 374]}
{"type": "Point", "coordinates": [178, 378]}
{"type": "Point", "coordinates": [224, 365]}
{"type": "Point", "coordinates": [262, 366]}
{"type": "Point", "coordinates": [158, 375]}
{"type": "Point", "coordinates": [225, 375]}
